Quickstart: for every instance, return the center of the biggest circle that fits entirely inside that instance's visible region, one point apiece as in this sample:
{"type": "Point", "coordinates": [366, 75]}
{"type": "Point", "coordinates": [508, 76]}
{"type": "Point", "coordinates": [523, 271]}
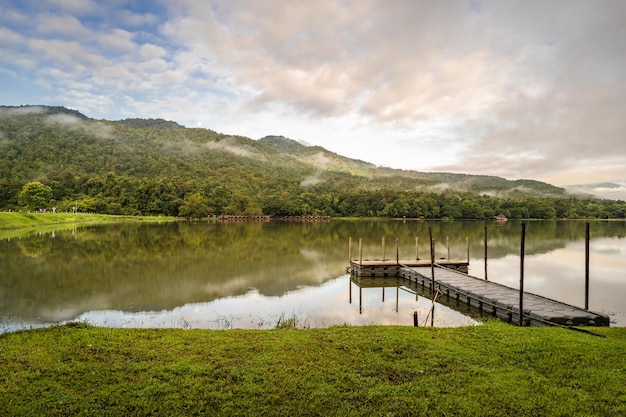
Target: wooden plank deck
{"type": "Point", "coordinates": [496, 299]}
{"type": "Point", "coordinates": [391, 267]}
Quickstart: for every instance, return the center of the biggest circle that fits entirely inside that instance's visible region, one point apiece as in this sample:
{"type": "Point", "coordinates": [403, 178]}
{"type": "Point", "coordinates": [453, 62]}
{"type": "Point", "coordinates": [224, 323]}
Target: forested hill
{"type": "Point", "coordinates": [154, 166]}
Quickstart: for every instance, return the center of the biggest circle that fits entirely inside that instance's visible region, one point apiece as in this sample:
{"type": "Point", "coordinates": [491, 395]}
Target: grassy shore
{"type": "Point", "coordinates": [19, 224]}
{"type": "Point", "coordinates": [490, 370]}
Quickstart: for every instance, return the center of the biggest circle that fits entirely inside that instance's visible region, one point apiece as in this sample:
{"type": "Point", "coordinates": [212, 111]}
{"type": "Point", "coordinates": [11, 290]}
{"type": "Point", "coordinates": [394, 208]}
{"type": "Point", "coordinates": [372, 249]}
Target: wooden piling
{"type": "Point", "coordinates": [397, 298]}
{"type": "Point", "coordinates": [432, 259]}
{"type": "Point", "coordinates": [383, 245]}
{"type": "Point", "coordinates": [360, 300]}
{"type": "Point", "coordinates": [415, 319]}
{"type": "Point", "coordinates": [521, 275]}
{"type": "Point", "coordinates": [397, 252]}
{"type": "Point", "coordinates": [350, 249]}
{"type": "Point", "coordinates": [587, 266]}
{"type": "Point", "coordinates": [360, 251]}
{"type": "Point", "coordinates": [350, 290]}
{"type": "Point", "coordinates": [485, 253]}
{"type": "Point", "coordinates": [448, 246]}
{"type": "Point", "coordinates": [417, 255]}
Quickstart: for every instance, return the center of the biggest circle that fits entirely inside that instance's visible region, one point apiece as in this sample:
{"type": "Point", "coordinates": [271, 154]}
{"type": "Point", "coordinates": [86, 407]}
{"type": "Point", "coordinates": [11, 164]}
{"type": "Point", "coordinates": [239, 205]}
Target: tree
{"type": "Point", "coordinates": [194, 206]}
{"type": "Point", "coordinates": [34, 195]}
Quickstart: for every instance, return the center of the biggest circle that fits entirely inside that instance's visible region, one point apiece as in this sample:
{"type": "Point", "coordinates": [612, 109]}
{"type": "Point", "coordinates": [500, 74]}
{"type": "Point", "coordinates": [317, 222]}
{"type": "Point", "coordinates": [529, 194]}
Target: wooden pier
{"type": "Point", "coordinates": [230, 218]}
{"type": "Point", "coordinates": [452, 281]}
{"type": "Point", "coordinates": [391, 267]}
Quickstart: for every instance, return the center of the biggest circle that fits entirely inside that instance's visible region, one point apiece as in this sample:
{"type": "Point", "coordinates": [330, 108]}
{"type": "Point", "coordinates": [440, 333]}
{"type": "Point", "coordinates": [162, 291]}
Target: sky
{"type": "Point", "coordinates": [523, 89]}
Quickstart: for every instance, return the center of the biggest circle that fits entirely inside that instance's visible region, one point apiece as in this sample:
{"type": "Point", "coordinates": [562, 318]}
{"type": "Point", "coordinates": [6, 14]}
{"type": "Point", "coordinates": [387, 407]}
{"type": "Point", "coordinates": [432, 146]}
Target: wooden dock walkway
{"type": "Point", "coordinates": [391, 267]}
{"type": "Point", "coordinates": [495, 299]}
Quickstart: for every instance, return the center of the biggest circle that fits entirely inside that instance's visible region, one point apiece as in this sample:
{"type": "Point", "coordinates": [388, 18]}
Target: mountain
{"type": "Point", "coordinates": [406, 179]}
{"type": "Point", "coordinates": [150, 124]}
{"type": "Point", "coordinates": [137, 166]}
{"type": "Point", "coordinates": [613, 190]}
{"type": "Point", "coordinates": [49, 110]}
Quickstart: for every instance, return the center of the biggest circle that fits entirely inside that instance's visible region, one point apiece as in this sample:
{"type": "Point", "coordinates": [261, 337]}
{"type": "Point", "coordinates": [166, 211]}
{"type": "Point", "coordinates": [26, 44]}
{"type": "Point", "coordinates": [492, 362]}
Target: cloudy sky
{"type": "Point", "coordinates": [520, 89]}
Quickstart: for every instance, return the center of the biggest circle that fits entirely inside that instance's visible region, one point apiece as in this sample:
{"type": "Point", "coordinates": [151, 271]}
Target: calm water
{"type": "Point", "coordinates": [223, 276]}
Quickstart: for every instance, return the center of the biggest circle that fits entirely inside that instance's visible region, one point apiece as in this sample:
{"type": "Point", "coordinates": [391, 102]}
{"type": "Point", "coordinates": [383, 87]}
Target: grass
{"type": "Point", "coordinates": [16, 224]}
{"type": "Point", "coordinates": [489, 370]}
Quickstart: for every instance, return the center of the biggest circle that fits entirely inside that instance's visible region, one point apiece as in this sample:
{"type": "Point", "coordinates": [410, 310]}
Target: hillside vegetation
{"type": "Point", "coordinates": [154, 166]}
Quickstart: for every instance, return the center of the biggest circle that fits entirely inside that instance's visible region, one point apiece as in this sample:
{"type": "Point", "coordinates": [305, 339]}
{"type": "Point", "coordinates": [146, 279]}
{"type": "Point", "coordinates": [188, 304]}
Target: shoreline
{"type": "Point", "coordinates": [19, 224]}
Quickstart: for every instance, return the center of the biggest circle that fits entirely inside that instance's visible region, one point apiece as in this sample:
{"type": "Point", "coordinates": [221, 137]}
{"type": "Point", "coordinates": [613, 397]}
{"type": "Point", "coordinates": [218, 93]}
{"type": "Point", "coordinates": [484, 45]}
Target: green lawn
{"type": "Point", "coordinates": [490, 370]}
{"type": "Point", "coordinates": [15, 224]}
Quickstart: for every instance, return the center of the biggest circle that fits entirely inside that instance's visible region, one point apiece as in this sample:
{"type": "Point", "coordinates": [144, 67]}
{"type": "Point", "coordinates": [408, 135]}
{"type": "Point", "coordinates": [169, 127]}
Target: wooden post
{"type": "Point", "coordinates": [448, 246]}
{"type": "Point", "coordinates": [432, 316]}
{"type": "Point", "coordinates": [486, 253]}
{"type": "Point", "coordinates": [360, 251]}
{"type": "Point", "coordinates": [360, 300]}
{"type": "Point", "coordinates": [350, 249]}
{"type": "Point", "coordinates": [468, 251]}
{"type": "Point", "coordinates": [397, 252]}
{"type": "Point", "coordinates": [417, 255]}
{"type": "Point", "coordinates": [350, 289]}
{"type": "Point", "coordinates": [432, 260]}
{"type": "Point", "coordinates": [415, 319]}
{"type": "Point", "coordinates": [383, 243]}
{"type": "Point", "coordinates": [521, 276]}
{"type": "Point", "coordinates": [587, 266]}
{"type": "Point", "coordinates": [397, 297]}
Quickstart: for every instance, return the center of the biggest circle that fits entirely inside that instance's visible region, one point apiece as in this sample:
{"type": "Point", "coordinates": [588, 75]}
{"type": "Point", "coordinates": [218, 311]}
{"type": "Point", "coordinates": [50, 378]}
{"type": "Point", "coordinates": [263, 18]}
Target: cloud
{"type": "Point", "coordinates": [67, 54]}
{"type": "Point", "coordinates": [21, 111]}
{"type": "Point", "coordinates": [9, 37]}
{"type": "Point", "coordinates": [129, 18]}
{"type": "Point", "coordinates": [117, 41]}
{"type": "Point", "coordinates": [149, 51]}
{"type": "Point", "coordinates": [229, 145]}
{"type": "Point", "coordinates": [511, 88]}
{"type": "Point", "coordinates": [81, 7]}
{"type": "Point", "coordinates": [73, 123]}
{"type": "Point", "coordinates": [66, 26]}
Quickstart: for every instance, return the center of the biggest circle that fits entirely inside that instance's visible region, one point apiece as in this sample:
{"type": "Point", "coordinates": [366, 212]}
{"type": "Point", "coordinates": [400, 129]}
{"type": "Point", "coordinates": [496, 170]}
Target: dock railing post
{"type": "Point", "coordinates": [587, 266]}
{"type": "Point", "coordinates": [448, 246]}
{"type": "Point", "coordinates": [521, 276]}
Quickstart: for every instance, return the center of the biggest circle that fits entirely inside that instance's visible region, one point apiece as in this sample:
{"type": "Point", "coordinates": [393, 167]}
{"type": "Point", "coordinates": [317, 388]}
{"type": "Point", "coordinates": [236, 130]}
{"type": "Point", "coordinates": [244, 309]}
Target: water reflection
{"type": "Point", "coordinates": [321, 306]}
{"type": "Point", "coordinates": [248, 275]}
{"type": "Point", "coordinates": [406, 298]}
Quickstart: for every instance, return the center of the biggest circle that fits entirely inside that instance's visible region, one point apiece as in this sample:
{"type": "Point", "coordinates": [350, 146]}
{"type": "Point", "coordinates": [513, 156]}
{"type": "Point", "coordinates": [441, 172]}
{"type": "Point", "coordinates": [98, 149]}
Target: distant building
{"type": "Point", "coordinates": [501, 218]}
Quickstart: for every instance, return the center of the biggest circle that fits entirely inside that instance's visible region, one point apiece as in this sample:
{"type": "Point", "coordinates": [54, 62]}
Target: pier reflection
{"type": "Point", "coordinates": [447, 309]}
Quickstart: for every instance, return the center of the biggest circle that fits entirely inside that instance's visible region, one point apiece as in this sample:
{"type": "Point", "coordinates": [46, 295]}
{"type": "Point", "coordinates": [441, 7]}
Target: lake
{"type": "Point", "coordinates": [256, 275]}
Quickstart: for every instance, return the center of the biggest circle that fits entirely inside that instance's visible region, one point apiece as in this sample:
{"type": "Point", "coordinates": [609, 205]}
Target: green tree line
{"type": "Point", "coordinates": [123, 195]}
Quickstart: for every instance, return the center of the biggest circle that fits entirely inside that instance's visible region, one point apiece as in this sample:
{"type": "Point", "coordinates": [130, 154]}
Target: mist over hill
{"type": "Point", "coordinates": [613, 190]}
{"type": "Point", "coordinates": [141, 166]}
